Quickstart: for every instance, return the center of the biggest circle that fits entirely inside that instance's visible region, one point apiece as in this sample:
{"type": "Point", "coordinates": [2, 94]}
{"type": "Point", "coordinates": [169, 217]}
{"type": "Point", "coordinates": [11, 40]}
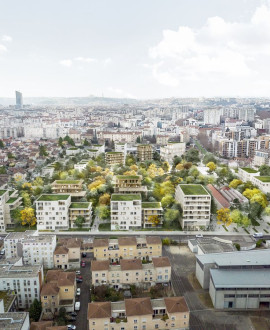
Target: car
{"type": "Point", "coordinates": [73, 314]}
{"type": "Point", "coordinates": [78, 272]}
{"type": "Point", "coordinates": [78, 280]}
{"type": "Point", "coordinates": [199, 236]}
{"type": "Point", "coordinates": [71, 318]}
{"type": "Point", "coordinates": [258, 235]}
{"type": "Point", "coordinates": [83, 264]}
{"type": "Point", "coordinates": [78, 293]}
{"type": "Point", "coordinates": [71, 327]}
{"type": "Point", "coordinates": [83, 255]}
{"type": "Point", "coordinates": [79, 276]}
{"type": "Point", "coordinates": [77, 306]}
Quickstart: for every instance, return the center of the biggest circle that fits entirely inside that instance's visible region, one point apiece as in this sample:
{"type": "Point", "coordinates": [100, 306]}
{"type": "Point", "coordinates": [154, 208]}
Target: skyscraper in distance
{"type": "Point", "coordinates": [19, 100]}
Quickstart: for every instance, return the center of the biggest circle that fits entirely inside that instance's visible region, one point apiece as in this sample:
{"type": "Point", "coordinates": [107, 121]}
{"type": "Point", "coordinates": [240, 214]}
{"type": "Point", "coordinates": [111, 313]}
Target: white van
{"type": "Point", "coordinates": [258, 235]}
{"type": "Point", "coordinates": [77, 306]}
{"type": "Point", "coordinates": [2, 252]}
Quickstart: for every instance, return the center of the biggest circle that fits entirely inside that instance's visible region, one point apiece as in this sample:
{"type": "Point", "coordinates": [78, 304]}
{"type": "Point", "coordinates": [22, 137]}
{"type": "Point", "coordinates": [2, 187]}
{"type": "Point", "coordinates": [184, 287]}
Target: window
{"type": "Point", "coordinates": [173, 318]}
{"type": "Point", "coordinates": [156, 326]}
{"type": "Point", "coordinates": [45, 297]}
{"type": "Point", "coordinates": [135, 321]}
{"type": "Point", "coordinates": [66, 290]}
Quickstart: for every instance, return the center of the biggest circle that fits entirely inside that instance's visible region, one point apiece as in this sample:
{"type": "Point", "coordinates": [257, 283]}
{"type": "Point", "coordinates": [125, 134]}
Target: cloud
{"type": "Point", "coordinates": [67, 63]}
{"type": "Point", "coordinates": [107, 61]}
{"type": "Point", "coordinates": [7, 38]}
{"type": "Point", "coordinates": [118, 92]}
{"type": "Point", "coordinates": [3, 48]}
{"type": "Point", "coordinates": [85, 59]}
{"type": "Point", "coordinates": [220, 54]}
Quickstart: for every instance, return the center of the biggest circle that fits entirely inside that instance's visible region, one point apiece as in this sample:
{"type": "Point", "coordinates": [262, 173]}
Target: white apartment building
{"type": "Point", "coordinates": [196, 204]}
{"type": "Point", "coordinates": [8, 201]}
{"type": "Point", "coordinates": [48, 171]}
{"type": "Point", "coordinates": [24, 280]}
{"type": "Point", "coordinates": [32, 247]}
{"type": "Point", "coordinates": [52, 211]}
{"type": "Point", "coordinates": [212, 116]}
{"type": "Point", "coordinates": [126, 211]}
{"type": "Point", "coordinates": [121, 147]}
{"type": "Point", "coordinates": [246, 114]}
{"type": "Point", "coordinates": [246, 173]}
{"type": "Point", "coordinates": [81, 165]}
{"type": "Point", "coordinates": [171, 150]}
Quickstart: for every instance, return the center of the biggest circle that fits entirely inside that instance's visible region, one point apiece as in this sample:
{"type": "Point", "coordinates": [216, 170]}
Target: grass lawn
{"type": "Point", "coordinates": [248, 170]}
{"type": "Point", "coordinates": [151, 205]}
{"type": "Point", "coordinates": [202, 150]}
{"type": "Point", "coordinates": [104, 227]}
{"type": "Point", "coordinates": [21, 228]}
{"type": "Point", "coordinates": [52, 198]}
{"type": "Point", "coordinates": [128, 177]}
{"type": "Point", "coordinates": [67, 181]}
{"type": "Point", "coordinates": [127, 197]}
{"type": "Point", "coordinates": [77, 229]}
{"type": "Point", "coordinates": [12, 200]}
{"type": "Point", "coordinates": [263, 178]}
{"type": "Point", "coordinates": [81, 205]}
{"type": "Point", "coordinates": [193, 189]}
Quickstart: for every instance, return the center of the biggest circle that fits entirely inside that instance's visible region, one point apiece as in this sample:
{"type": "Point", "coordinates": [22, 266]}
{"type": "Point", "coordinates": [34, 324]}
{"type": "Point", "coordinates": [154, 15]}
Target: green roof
{"type": "Point", "coordinates": [128, 177]}
{"type": "Point", "coordinates": [97, 145]}
{"type": "Point", "coordinates": [127, 197]}
{"type": "Point", "coordinates": [2, 192]}
{"type": "Point", "coordinates": [67, 181]}
{"type": "Point", "coordinates": [249, 170]}
{"type": "Point", "coordinates": [113, 152]}
{"type": "Point", "coordinates": [144, 145]}
{"type": "Point", "coordinates": [193, 189]}
{"type": "Point", "coordinates": [92, 150]}
{"type": "Point", "coordinates": [52, 198]}
{"type": "Point", "coordinates": [80, 205]}
{"type": "Point", "coordinates": [73, 148]}
{"type": "Point", "coordinates": [12, 200]}
{"type": "Point", "coordinates": [263, 178]}
{"type": "Point", "coordinates": [151, 205]}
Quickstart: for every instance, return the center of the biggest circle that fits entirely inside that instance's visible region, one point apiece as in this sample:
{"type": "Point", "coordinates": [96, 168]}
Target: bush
{"type": "Point", "coordinates": [259, 243]}
{"type": "Point", "coordinates": [237, 246]}
{"type": "Point", "coordinates": [166, 241]}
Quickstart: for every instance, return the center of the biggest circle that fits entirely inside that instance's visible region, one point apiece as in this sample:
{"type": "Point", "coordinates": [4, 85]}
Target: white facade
{"type": "Point", "coordinates": [4, 196]}
{"type": "Point", "coordinates": [121, 147]}
{"type": "Point", "coordinates": [246, 174]}
{"type": "Point", "coordinates": [212, 116]}
{"type": "Point", "coordinates": [259, 182]}
{"type": "Point", "coordinates": [171, 150]}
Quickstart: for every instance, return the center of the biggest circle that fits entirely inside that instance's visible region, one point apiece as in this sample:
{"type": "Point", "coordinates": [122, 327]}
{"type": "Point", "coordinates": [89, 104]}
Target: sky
{"type": "Point", "coordinates": [138, 49]}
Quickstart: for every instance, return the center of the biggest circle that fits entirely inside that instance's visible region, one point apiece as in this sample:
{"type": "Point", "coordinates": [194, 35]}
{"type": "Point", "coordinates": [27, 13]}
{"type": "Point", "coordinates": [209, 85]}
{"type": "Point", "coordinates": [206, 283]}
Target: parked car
{"type": "Point", "coordinates": [78, 293]}
{"type": "Point", "coordinates": [77, 306]}
{"type": "Point", "coordinates": [79, 276]}
{"type": "Point", "coordinates": [83, 264]}
{"type": "Point", "coordinates": [258, 235]}
{"type": "Point", "coordinates": [83, 255]}
{"type": "Point", "coordinates": [71, 327]}
{"type": "Point", "coordinates": [79, 280]}
{"type": "Point", "coordinates": [71, 318]}
{"type": "Point", "coordinates": [73, 314]}
{"type": "Point", "coordinates": [199, 236]}
{"type": "Point", "coordinates": [78, 272]}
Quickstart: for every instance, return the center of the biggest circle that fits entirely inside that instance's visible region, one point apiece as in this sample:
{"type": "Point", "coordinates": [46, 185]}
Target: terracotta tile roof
{"type": "Point", "coordinates": [101, 242]}
{"type": "Point", "coordinates": [161, 262]}
{"type": "Point", "coordinates": [217, 195]}
{"type": "Point", "coordinates": [122, 241]}
{"type": "Point", "coordinates": [138, 306]}
{"type": "Point", "coordinates": [97, 265]}
{"type": "Point", "coordinates": [176, 305]}
{"type": "Point", "coordinates": [130, 264]}
{"type": "Point", "coordinates": [74, 243]}
{"type": "Point", "coordinates": [42, 325]}
{"type": "Point", "coordinates": [49, 289]}
{"type": "Point", "coordinates": [99, 310]}
{"type": "Point", "coordinates": [63, 327]}
{"type": "Point", "coordinates": [66, 278]}
{"type": "Point", "coordinates": [60, 250]}
{"type": "Point", "coordinates": [153, 240]}
{"type": "Point", "coordinates": [52, 275]}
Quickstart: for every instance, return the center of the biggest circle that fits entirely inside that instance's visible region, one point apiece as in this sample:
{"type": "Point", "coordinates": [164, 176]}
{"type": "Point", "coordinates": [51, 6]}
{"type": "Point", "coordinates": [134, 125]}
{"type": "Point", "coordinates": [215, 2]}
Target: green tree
{"type": "Point", "coordinates": [103, 212]}
{"type": "Point", "coordinates": [138, 140]}
{"type": "Point", "coordinates": [80, 220]}
{"type": "Point", "coordinates": [86, 143]}
{"type": "Point", "coordinates": [167, 201]}
{"type": "Point", "coordinates": [60, 142]}
{"type": "Point", "coordinates": [43, 151]}
{"type": "Point", "coordinates": [62, 316]}
{"type": "Point", "coordinates": [264, 170]}
{"type": "Point", "coordinates": [209, 158]}
{"type": "Point", "coordinates": [171, 215]}
{"type": "Point", "coordinates": [35, 310]}
{"type": "Point", "coordinates": [2, 144]}
{"type": "Point", "coordinates": [192, 155]}
{"type": "Point", "coordinates": [3, 170]}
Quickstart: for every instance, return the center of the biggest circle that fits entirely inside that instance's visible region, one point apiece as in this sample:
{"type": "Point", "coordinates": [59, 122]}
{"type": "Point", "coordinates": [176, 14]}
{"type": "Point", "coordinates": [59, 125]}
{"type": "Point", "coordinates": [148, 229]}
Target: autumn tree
{"type": "Point", "coordinates": [167, 201]}
{"type": "Point", "coordinates": [235, 183]}
{"type": "Point", "coordinates": [240, 219]}
{"type": "Point", "coordinates": [256, 196]}
{"type": "Point", "coordinates": [104, 199]}
{"type": "Point", "coordinates": [38, 181]}
{"type": "Point", "coordinates": [154, 219]}
{"type": "Point", "coordinates": [28, 217]}
{"type": "Point", "coordinates": [212, 166]}
{"type": "Point", "coordinates": [179, 167]}
{"type": "Point", "coordinates": [223, 216]}
{"type": "Point", "coordinates": [103, 212]}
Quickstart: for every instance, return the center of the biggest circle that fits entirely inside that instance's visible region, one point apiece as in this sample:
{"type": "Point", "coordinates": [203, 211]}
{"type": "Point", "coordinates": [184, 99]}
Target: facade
{"type": "Point", "coordinates": [139, 313]}
{"type": "Point", "coordinates": [246, 174]}
{"type": "Point", "coordinates": [262, 182]}
{"type": "Point", "coordinates": [129, 184]}
{"type": "Point", "coordinates": [9, 200]}
{"type": "Point", "coordinates": [144, 152]}
{"type": "Point", "coordinates": [80, 209]}
{"type": "Point", "coordinates": [114, 158]}
{"type": "Point", "coordinates": [212, 116]}
{"type": "Point", "coordinates": [131, 272]}
{"type": "Point", "coordinates": [32, 247]}
{"type": "Point", "coordinates": [52, 211]}
{"type": "Point", "coordinates": [67, 254]}
{"type": "Point", "coordinates": [261, 157]}
{"type": "Point", "coordinates": [150, 209]}
{"type": "Point", "coordinates": [19, 100]}
{"type": "Point", "coordinates": [171, 150]}
{"type": "Point", "coordinates": [126, 211]}
{"type": "Point", "coordinates": [72, 187]}
{"type": "Point", "coordinates": [82, 165]}
{"type": "Point", "coordinates": [196, 204]}
{"type": "Point", "coordinates": [58, 291]}
{"type": "Point", "coordinates": [121, 147]}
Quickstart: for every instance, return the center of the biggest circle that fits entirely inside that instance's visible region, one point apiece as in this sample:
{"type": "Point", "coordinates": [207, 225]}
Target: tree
{"type": "Point", "coordinates": [264, 170]}
{"type": "Point", "coordinates": [235, 183]}
{"type": "Point", "coordinates": [60, 142]}
{"type": "Point", "coordinates": [171, 215]}
{"type": "Point", "coordinates": [104, 199]}
{"type": "Point", "coordinates": [80, 220]}
{"type": "Point", "coordinates": [38, 181]}
{"type": "Point", "coordinates": [240, 219]}
{"type": "Point", "coordinates": [179, 167]}
{"type": "Point", "coordinates": [256, 196]}
{"type": "Point", "coordinates": [154, 219]}
{"type": "Point", "coordinates": [3, 170]}
{"type": "Point", "coordinates": [223, 216]}
{"type": "Point", "coordinates": [26, 199]}
{"type": "Point", "coordinates": [28, 217]}
{"type": "Point", "coordinates": [103, 212]}
{"type": "Point", "coordinates": [209, 158]}
{"type": "Point", "coordinates": [2, 144]}
{"type": "Point", "coordinates": [43, 151]}
{"type": "Point", "coordinates": [176, 160]}
{"type": "Point", "coordinates": [138, 139]}
{"type": "Point", "coordinates": [192, 155]}
{"type": "Point", "coordinates": [62, 318]}
{"type": "Point", "coordinates": [130, 160]}
{"type": "Point", "coordinates": [165, 166]}
{"type": "Point", "coordinates": [86, 143]}
{"type": "Point", "coordinates": [167, 201]}
{"type": "Point", "coordinates": [212, 166]}
{"type": "Point", "coordinates": [35, 310]}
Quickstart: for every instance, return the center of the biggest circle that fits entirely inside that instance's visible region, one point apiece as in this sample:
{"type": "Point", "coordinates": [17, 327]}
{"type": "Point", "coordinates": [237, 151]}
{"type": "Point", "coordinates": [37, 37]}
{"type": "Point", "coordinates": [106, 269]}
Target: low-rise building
{"type": "Point", "coordinates": [144, 152]}
{"type": "Point", "coordinates": [121, 147]}
{"type": "Point", "coordinates": [139, 313]}
{"type": "Point", "coordinates": [67, 254]}
{"type": "Point", "coordinates": [80, 209]}
{"type": "Point", "coordinates": [131, 272]}
{"type": "Point", "coordinates": [71, 187]}
{"type": "Point", "coordinates": [58, 291]}
{"type": "Point", "coordinates": [150, 211]}
{"type": "Point", "coordinates": [15, 321]}
{"type": "Point", "coordinates": [196, 205]}
{"type": "Point", "coordinates": [129, 184]}
{"type": "Point", "coordinates": [246, 173]}
{"type": "Point", "coordinates": [262, 182]}
{"type": "Point", "coordinates": [171, 150]}
{"type": "Point", "coordinates": [114, 158]}
{"type": "Point", "coordinates": [127, 248]}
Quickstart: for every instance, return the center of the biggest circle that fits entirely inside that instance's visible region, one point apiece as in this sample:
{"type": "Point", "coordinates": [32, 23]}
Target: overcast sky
{"type": "Point", "coordinates": [135, 48]}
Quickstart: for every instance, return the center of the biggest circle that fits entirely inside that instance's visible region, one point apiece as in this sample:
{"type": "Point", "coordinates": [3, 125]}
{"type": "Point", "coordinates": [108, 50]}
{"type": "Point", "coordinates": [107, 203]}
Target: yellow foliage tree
{"type": "Point", "coordinates": [223, 216]}
{"type": "Point", "coordinates": [235, 183]}
{"type": "Point", "coordinates": [96, 184]}
{"type": "Point", "coordinates": [130, 173]}
{"type": "Point", "coordinates": [212, 166]}
{"type": "Point", "coordinates": [134, 167]}
{"type": "Point", "coordinates": [27, 185]}
{"type": "Point", "coordinates": [104, 199]}
{"type": "Point", "coordinates": [154, 219]}
{"type": "Point", "coordinates": [179, 167]}
{"type": "Point", "coordinates": [255, 195]}
{"type": "Point", "coordinates": [28, 217]}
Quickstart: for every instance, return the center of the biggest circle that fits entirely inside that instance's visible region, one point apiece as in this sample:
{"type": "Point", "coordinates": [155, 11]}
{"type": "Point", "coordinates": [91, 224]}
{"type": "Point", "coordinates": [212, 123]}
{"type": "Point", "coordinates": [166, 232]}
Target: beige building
{"type": "Point", "coordinates": [139, 313]}
{"type": "Point", "coordinates": [58, 291]}
{"type": "Point", "coordinates": [150, 209]}
{"type": "Point", "coordinates": [144, 152]}
{"type": "Point", "coordinates": [67, 254]}
{"type": "Point", "coordinates": [129, 184]}
{"type": "Point", "coordinates": [114, 158]}
{"type": "Point", "coordinates": [82, 209]}
{"type": "Point", "coordinates": [72, 187]}
{"type": "Point", "coordinates": [131, 272]}
{"type": "Point", "coordinates": [127, 248]}
{"type": "Point", "coordinates": [171, 150]}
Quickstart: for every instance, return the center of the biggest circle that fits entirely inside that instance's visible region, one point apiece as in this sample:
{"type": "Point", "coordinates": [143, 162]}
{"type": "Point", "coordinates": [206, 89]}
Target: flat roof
{"type": "Point", "coordinates": [67, 181]}
{"type": "Point", "coordinates": [248, 278]}
{"type": "Point", "coordinates": [193, 189]}
{"type": "Point", "coordinates": [238, 258]}
{"type": "Point", "coordinates": [151, 205]}
{"type": "Point", "coordinates": [79, 205]}
{"type": "Point", "coordinates": [52, 198]}
{"type": "Point", "coordinates": [263, 178]}
{"type": "Point", "coordinates": [2, 192]}
{"type": "Point", "coordinates": [6, 320]}
{"type": "Point", "coordinates": [127, 197]}
{"type": "Point", "coordinates": [249, 170]}
{"type": "Point", "coordinates": [128, 177]}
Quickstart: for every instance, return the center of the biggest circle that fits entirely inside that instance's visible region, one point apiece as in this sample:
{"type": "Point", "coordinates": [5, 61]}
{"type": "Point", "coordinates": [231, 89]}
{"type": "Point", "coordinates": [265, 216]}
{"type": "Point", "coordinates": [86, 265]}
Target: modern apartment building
{"type": "Point", "coordinates": [139, 313]}
{"type": "Point", "coordinates": [127, 248]}
{"type": "Point", "coordinates": [131, 272]}
{"type": "Point", "coordinates": [246, 173]}
{"type": "Point", "coordinates": [80, 209]}
{"type": "Point", "coordinates": [58, 291]}
{"type": "Point", "coordinates": [67, 254]}
{"type": "Point", "coordinates": [9, 200]}
{"type": "Point", "coordinates": [196, 204]}
{"type": "Point", "coordinates": [52, 211]}
{"type": "Point", "coordinates": [129, 184]}
{"type": "Point", "coordinates": [262, 182]}
{"type": "Point", "coordinates": [71, 187]}
{"type": "Point", "coordinates": [261, 157]}
{"type": "Point", "coordinates": [114, 158]}
{"type": "Point", "coordinates": [32, 247]}
{"type": "Point", "coordinates": [126, 211]}
{"type": "Point", "coordinates": [171, 150]}
{"type": "Point", "coordinates": [150, 209]}
{"type": "Point", "coordinates": [212, 116]}
{"type": "Point", "coordinates": [144, 152]}
{"type": "Point", "coordinates": [121, 147]}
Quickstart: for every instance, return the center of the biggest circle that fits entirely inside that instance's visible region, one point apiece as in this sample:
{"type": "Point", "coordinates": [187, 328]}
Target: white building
{"type": "Point", "coordinates": [196, 204]}
{"type": "Point", "coordinates": [246, 173]}
{"type": "Point", "coordinates": [9, 200]}
{"type": "Point", "coordinates": [52, 211]}
{"type": "Point", "coordinates": [126, 211]}
{"type": "Point", "coordinates": [246, 114]}
{"type": "Point", "coordinates": [212, 116]}
{"type": "Point", "coordinates": [171, 150]}
{"type": "Point", "coordinates": [262, 182]}
{"type": "Point", "coordinates": [121, 147]}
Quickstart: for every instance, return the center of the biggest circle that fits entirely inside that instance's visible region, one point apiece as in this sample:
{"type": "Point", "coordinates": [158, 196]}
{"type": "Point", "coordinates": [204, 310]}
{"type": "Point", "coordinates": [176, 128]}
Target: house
{"type": "Point", "coordinates": [67, 254]}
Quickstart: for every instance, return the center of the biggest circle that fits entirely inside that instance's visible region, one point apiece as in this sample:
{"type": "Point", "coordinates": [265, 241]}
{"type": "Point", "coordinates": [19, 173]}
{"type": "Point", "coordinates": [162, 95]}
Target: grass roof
{"type": "Point", "coordinates": [12, 200]}
{"type": "Point", "coordinates": [249, 170]}
{"type": "Point", "coordinates": [67, 181]}
{"type": "Point", "coordinates": [263, 178]}
{"type": "Point", "coordinates": [113, 152]}
{"type": "Point", "coordinates": [2, 192]}
{"type": "Point", "coordinates": [128, 177]}
{"type": "Point", "coordinates": [193, 189]}
{"type": "Point", "coordinates": [127, 197]}
{"type": "Point", "coordinates": [151, 205]}
{"type": "Point", "coordinates": [52, 198]}
{"type": "Point", "coordinates": [79, 205]}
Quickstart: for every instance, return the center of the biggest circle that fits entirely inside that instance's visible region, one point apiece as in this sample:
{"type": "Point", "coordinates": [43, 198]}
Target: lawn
{"type": "Point", "coordinates": [104, 227]}
{"type": "Point", "coordinates": [151, 205]}
{"type": "Point", "coordinates": [263, 178]}
{"type": "Point", "coordinates": [52, 198]}
{"type": "Point", "coordinates": [128, 177]}
{"type": "Point", "coordinates": [128, 198]}
{"type": "Point", "coordinates": [2, 192]}
{"type": "Point", "coordinates": [193, 189]}
{"type": "Point", "coordinates": [202, 150]}
{"type": "Point", "coordinates": [67, 181]}
{"type": "Point", "coordinates": [20, 229]}
{"type": "Point", "coordinates": [12, 200]}
{"type": "Point", "coordinates": [81, 205]}
{"type": "Point", "coordinates": [248, 170]}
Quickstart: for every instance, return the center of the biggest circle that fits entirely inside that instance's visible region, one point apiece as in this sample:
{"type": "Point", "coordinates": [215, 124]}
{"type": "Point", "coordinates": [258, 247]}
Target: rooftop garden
{"type": "Point", "coordinates": [67, 181]}
{"type": "Point", "coordinates": [81, 205]}
{"type": "Point", "coordinates": [193, 189]}
{"type": "Point", "coordinates": [73, 148]}
{"type": "Point", "coordinates": [248, 170]}
{"type": "Point", "coordinates": [263, 178]}
{"type": "Point", "coordinates": [128, 177]}
{"type": "Point", "coordinates": [113, 153]}
{"type": "Point", "coordinates": [2, 192]}
{"type": "Point", "coordinates": [93, 150]}
{"type": "Point", "coordinates": [52, 198]}
{"type": "Point", "coordinates": [12, 200]}
{"type": "Point", "coordinates": [151, 205]}
{"type": "Point", "coordinates": [129, 197]}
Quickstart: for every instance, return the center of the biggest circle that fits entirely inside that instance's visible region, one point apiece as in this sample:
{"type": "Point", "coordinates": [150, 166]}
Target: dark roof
{"type": "Point", "coordinates": [60, 250]}
{"type": "Point", "coordinates": [100, 242]}
{"type": "Point", "coordinates": [99, 310]}
{"type": "Point", "coordinates": [49, 289]}
{"type": "Point", "coordinates": [153, 240]}
{"type": "Point", "coordinates": [138, 306]}
{"type": "Point", "coordinates": [122, 241]}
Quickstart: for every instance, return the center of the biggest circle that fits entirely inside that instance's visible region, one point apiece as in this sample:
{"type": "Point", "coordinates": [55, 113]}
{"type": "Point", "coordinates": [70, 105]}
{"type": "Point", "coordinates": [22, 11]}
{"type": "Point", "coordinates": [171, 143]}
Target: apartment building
{"type": "Point", "coordinates": [129, 184]}
{"type": "Point", "coordinates": [261, 157]}
{"type": "Point", "coordinates": [126, 211]}
{"type": "Point", "coordinates": [71, 187]}
{"type": "Point", "coordinates": [144, 152]}
{"type": "Point", "coordinates": [171, 150]}
{"type": "Point", "coordinates": [80, 209]}
{"type": "Point", "coordinates": [121, 147]}
{"type": "Point", "coordinates": [52, 211]}
{"type": "Point", "coordinates": [144, 248]}
{"type": "Point", "coordinates": [67, 254]}
{"type": "Point", "coordinates": [48, 171]}
{"type": "Point", "coordinates": [150, 209]}
{"type": "Point", "coordinates": [82, 165]}
{"type": "Point", "coordinates": [15, 321]}
{"type": "Point", "coordinates": [131, 272]}
{"type": "Point", "coordinates": [32, 247]}
{"type": "Point", "coordinates": [162, 139]}
{"type": "Point", "coordinates": [246, 173]}
{"type": "Point", "coordinates": [9, 200]}
{"type": "Point", "coordinates": [139, 313]}
{"type": "Point", "coordinates": [58, 291]}
{"type": "Point", "coordinates": [212, 116]}
{"type": "Point", "coordinates": [24, 280]}
{"type": "Point", "coordinates": [114, 158]}
{"type": "Point", "coordinates": [196, 204]}
{"type": "Point", "coordinates": [262, 182]}
{"type": "Point", "coordinates": [117, 136]}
